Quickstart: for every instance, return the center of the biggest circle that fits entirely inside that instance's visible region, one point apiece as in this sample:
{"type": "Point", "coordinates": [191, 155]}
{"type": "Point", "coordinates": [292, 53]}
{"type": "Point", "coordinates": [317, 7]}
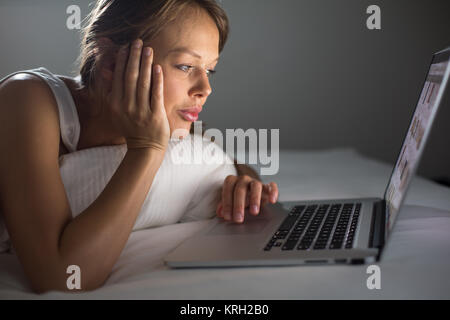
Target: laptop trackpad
{"type": "Point", "coordinates": [250, 226]}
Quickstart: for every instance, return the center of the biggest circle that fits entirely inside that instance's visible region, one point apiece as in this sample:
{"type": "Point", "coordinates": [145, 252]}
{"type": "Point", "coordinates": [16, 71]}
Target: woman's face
{"type": "Point", "coordinates": [187, 51]}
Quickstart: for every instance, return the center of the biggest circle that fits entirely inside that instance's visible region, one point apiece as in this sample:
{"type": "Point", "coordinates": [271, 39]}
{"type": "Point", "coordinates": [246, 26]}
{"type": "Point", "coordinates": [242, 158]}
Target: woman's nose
{"type": "Point", "coordinates": [202, 86]}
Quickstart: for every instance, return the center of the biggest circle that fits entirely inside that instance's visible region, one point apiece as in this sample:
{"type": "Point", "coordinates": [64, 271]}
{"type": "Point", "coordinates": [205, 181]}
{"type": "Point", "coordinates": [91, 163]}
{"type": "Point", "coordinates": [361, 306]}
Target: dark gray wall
{"type": "Point", "coordinates": [310, 68]}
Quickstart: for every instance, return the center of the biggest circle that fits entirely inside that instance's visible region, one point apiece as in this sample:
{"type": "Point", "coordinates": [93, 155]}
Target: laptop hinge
{"type": "Point", "coordinates": [378, 224]}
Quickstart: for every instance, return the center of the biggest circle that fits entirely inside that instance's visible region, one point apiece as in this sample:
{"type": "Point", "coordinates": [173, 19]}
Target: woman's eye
{"type": "Point", "coordinates": [210, 72]}
{"type": "Point", "coordinates": [187, 68]}
{"type": "Point", "coordinates": [184, 68]}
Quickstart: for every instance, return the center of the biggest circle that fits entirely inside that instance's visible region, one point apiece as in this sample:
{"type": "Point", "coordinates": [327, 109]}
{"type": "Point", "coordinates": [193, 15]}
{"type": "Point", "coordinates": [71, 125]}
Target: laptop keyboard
{"type": "Point", "coordinates": [317, 227]}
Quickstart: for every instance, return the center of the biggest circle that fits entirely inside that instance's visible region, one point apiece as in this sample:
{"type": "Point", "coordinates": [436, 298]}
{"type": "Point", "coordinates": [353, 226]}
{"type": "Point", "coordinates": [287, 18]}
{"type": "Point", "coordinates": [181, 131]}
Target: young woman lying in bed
{"type": "Point", "coordinates": [144, 74]}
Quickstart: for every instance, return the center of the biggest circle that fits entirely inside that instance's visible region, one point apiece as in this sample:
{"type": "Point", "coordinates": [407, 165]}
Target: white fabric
{"type": "Point", "coordinates": [414, 266]}
{"type": "Point", "coordinates": [179, 192]}
{"type": "Point", "coordinates": [186, 186]}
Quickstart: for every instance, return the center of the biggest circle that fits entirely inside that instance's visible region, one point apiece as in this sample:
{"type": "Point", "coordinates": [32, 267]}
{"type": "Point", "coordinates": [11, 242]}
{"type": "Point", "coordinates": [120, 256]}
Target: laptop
{"type": "Point", "coordinates": [337, 231]}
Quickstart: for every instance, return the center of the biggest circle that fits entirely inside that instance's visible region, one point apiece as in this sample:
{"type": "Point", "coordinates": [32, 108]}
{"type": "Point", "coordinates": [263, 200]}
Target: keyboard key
{"type": "Point", "coordinates": [289, 245]}
{"type": "Point", "coordinates": [298, 209]}
{"type": "Point", "coordinates": [305, 244]}
{"type": "Point", "coordinates": [302, 246]}
{"type": "Point", "coordinates": [288, 223]}
{"type": "Point", "coordinates": [307, 239]}
{"type": "Point", "coordinates": [337, 245]}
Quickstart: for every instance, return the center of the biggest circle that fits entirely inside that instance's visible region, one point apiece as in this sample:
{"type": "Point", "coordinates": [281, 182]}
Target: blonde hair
{"type": "Point", "coordinates": [123, 21]}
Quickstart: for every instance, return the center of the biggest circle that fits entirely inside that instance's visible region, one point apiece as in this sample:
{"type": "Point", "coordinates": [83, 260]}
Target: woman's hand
{"type": "Point", "coordinates": [242, 192]}
{"type": "Point", "coordinates": [139, 117]}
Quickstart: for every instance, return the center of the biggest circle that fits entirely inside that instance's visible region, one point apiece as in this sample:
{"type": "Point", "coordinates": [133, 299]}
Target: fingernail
{"type": "Point", "coordinates": [137, 44]}
{"type": "Point", "coordinates": [158, 69]}
{"type": "Point", "coordinates": [254, 208]}
{"type": "Point", "coordinates": [147, 51]}
{"type": "Point", "coordinates": [240, 217]}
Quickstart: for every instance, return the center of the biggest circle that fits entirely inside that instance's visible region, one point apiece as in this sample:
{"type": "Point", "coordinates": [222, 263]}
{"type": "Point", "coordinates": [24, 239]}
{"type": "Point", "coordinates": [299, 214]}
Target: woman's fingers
{"type": "Point", "coordinates": [132, 75]}
{"type": "Point", "coordinates": [144, 82]}
{"type": "Point", "coordinates": [219, 210]}
{"type": "Point", "coordinates": [270, 191]}
{"type": "Point", "coordinates": [273, 192]}
{"type": "Point", "coordinates": [119, 69]}
{"type": "Point", "coordinates": [240, 195]}
{"type": "Point", "coordinates": [227, 196]}
{"type": "Point", "coordinates": [157, 103]}
{"type": "Point", "coordinates": [255, 196]}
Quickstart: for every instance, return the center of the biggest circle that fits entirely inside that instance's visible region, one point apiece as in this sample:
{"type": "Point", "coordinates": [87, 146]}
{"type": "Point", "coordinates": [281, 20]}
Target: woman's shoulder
{"type": "Point", "coordinates": [22, 86]}
{"type": "Point", "coordinates": [28, 98]}
{"type": "Point", "coordinates": [26, 84]}
{"type": "Point", "coordinates": [29, 101]}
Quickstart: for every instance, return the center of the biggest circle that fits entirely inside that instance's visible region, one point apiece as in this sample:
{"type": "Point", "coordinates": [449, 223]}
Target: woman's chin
{"type": "Point", "coordinates": [180, 132]}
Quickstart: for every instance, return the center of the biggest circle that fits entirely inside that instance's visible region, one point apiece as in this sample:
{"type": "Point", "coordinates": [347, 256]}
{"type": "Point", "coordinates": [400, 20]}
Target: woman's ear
{"type": "Point", "coordinates": [106, 58]}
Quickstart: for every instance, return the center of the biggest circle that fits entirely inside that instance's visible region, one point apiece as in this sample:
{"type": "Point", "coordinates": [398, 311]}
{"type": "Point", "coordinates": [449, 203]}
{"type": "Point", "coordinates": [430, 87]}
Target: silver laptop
{"type": "Point", "coordinates": [326, 231]}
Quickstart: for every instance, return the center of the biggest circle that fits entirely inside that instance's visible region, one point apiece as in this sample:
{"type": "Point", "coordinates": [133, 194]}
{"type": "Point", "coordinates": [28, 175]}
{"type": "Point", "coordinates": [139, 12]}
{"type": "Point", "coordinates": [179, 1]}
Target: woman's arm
{"type": "Point", "coordinates": [95, 238]}
{"type": "Point", "coordinates": [34, 204]}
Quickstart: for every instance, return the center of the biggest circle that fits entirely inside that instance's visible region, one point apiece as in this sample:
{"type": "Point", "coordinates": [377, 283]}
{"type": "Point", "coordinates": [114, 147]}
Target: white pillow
{"type": "Point", "coordinates": [186, 187]}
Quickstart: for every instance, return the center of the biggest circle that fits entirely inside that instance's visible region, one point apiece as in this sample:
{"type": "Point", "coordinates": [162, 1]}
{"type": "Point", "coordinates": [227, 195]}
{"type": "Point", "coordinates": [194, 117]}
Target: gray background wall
{"type": "Point", "coordinates": [308, 67]}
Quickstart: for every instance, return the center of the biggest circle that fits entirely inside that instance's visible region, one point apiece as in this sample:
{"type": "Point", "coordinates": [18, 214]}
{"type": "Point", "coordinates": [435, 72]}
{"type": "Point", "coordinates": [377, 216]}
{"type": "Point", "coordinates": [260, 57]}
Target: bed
{"type": "Point", "coordinates": [414, 266]}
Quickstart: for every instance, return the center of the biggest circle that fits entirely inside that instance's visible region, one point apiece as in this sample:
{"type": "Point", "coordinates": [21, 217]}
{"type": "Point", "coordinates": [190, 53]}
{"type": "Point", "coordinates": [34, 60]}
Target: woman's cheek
{"type": "Point", "coordinates": [171, 89]}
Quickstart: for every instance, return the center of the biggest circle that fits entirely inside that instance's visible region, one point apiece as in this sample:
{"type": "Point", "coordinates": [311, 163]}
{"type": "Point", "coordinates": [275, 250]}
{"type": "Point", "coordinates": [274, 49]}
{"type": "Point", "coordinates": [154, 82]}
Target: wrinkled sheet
{"type": "Point", "coordinates": [414, 264]}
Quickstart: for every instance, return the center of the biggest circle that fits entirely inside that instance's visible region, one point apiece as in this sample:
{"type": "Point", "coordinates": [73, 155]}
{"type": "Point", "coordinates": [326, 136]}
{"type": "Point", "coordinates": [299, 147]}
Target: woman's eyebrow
{"type": "Point", "coordinates": [188, 51]}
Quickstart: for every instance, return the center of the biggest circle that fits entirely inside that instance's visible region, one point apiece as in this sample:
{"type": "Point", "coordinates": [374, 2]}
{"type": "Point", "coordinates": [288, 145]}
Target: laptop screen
{"type": "Point", "coordinates": [417, 134]}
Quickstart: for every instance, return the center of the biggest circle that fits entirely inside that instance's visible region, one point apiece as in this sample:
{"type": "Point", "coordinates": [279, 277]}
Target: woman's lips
{"type": "Point", "coordinates": [188, 116]}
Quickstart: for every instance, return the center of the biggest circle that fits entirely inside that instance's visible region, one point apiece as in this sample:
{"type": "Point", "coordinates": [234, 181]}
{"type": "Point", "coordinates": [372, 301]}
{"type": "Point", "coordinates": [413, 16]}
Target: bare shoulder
{"type": "Point", "coordinates": [28, 113]}
{"type": "Point", "coordinates": [20, 91]}
{"type": "Point", "coordinates": [22, 81]}
{"type": "Point", "coordinates": [26, 101]}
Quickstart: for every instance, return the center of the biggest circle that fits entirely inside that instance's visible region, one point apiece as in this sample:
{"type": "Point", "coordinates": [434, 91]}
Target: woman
{"type": "Point", "coordinates": [144, 74]}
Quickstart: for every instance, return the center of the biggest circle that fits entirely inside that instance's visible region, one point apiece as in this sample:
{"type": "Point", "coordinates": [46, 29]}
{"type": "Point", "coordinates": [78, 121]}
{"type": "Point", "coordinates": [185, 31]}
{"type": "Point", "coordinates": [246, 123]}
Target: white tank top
{"type": "Point", "coordinates": [186, 187]}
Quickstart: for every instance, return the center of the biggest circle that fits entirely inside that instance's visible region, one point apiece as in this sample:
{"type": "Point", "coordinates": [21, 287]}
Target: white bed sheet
{"type": "Point", "coordinates": [414, 265]}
